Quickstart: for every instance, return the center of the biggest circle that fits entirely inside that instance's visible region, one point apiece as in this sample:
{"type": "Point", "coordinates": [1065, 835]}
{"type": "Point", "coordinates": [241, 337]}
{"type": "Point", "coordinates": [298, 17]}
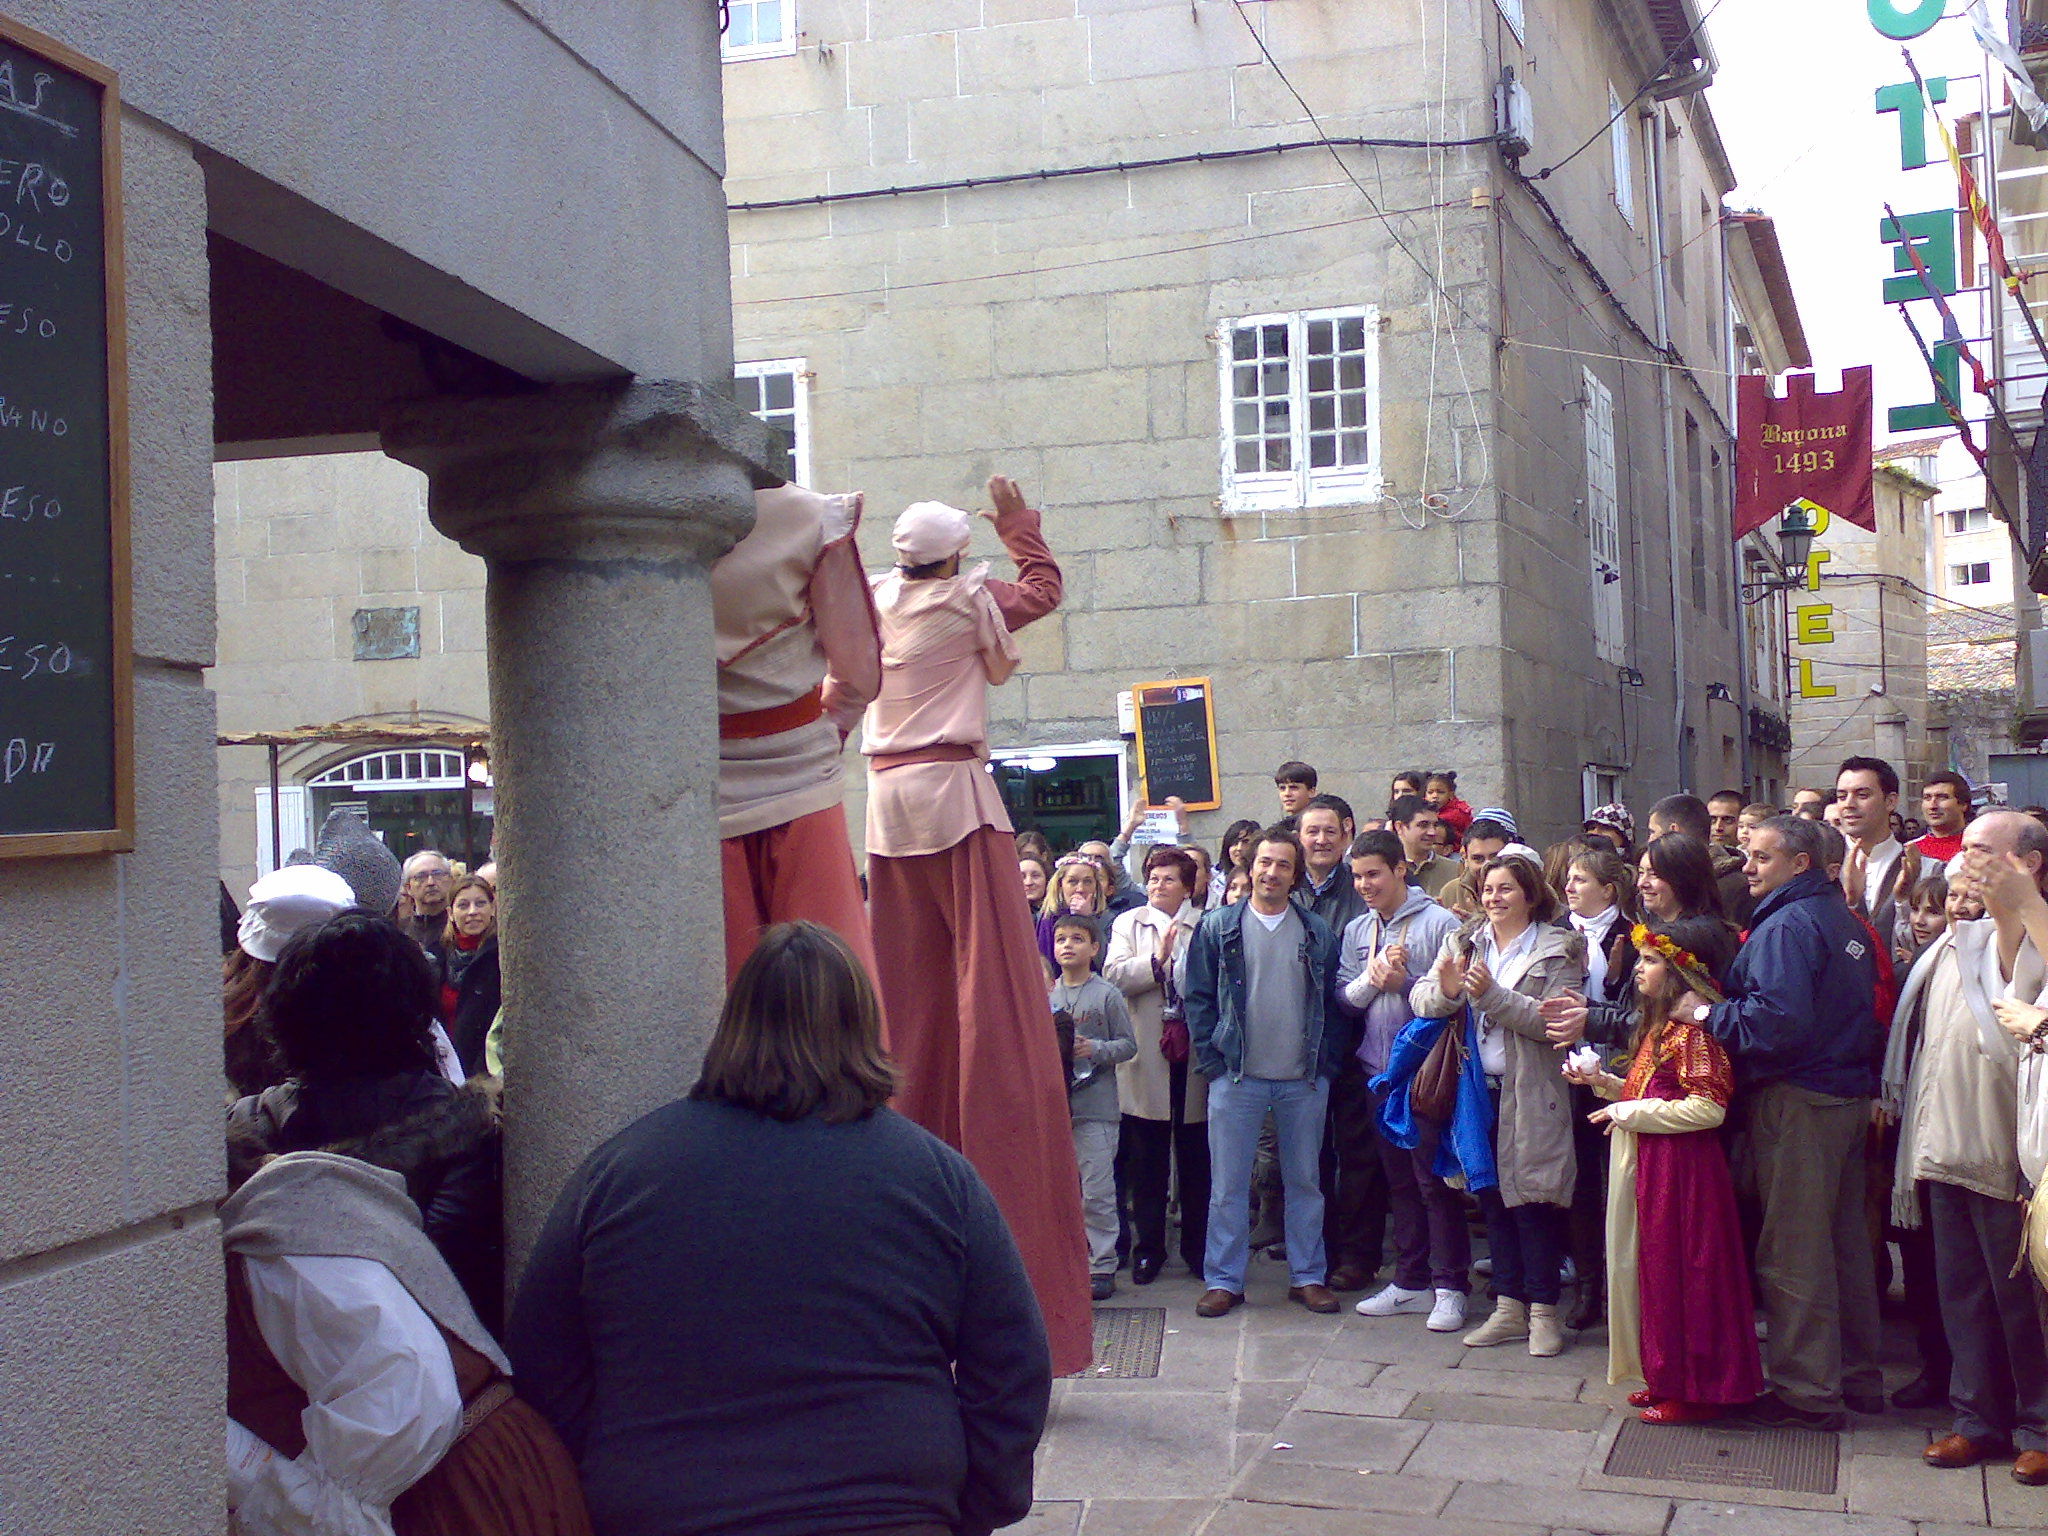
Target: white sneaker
{"type": "Point", "coordinates": [1448, 1315]}
{"type": "Point", "coordinates": [1394, 1300]}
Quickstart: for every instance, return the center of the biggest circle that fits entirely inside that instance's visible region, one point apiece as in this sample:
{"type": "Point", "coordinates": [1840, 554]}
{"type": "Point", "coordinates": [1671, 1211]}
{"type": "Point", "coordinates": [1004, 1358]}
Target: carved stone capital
{"type": "Point", "coordinates": [627, 470]}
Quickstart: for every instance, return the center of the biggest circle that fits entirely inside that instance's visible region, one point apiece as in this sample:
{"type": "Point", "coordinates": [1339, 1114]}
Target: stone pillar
{"type": "Point", "coordinates": [598, 509]}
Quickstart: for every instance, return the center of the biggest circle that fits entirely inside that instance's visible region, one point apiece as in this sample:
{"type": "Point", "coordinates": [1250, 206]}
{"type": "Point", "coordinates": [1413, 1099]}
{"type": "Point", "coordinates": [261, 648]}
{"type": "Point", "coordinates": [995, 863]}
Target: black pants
{"type": "Point", "coordinates": [1148, 1150]}
{"type": "Point", "coordinates": [1354, 1181]}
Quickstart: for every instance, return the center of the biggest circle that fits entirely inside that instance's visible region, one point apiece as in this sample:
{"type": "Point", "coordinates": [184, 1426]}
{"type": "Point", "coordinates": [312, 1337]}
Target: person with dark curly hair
{"type": "Point", "coordinates": [350, 1010]}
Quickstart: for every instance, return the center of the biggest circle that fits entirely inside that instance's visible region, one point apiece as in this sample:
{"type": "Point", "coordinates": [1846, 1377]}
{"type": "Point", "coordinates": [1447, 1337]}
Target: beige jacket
{"type": "Point", "coordinates": [1145, 1082]}
{"type": "Point", "coordinates": [1533, 1141]}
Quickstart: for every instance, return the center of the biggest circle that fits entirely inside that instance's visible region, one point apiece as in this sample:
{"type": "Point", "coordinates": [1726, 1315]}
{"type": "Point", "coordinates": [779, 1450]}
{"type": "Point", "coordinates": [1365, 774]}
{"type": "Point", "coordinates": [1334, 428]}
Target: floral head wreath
{"type": "Point", "coordinates": [1696, 975]}
{"type": "Point", "coordinates": [1070, 860]}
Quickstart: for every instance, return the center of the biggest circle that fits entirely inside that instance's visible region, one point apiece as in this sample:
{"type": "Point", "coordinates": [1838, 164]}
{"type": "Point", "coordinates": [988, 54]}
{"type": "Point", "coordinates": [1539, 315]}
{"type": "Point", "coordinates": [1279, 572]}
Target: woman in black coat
{"type": "Point", "coordinates": [468, 958]}
{"type": "Point", "coordinates": [350, 1009]}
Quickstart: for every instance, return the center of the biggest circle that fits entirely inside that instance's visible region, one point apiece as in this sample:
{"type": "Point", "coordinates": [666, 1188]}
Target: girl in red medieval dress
{"type": "Point", "coordinates": [1680, 1318]}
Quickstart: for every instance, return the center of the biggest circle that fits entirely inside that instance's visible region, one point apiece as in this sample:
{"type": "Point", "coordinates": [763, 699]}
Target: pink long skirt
{"type": "Point", "coordinates": [799, 871]}
{"type": "Point", "coordinates": [972, 1036]}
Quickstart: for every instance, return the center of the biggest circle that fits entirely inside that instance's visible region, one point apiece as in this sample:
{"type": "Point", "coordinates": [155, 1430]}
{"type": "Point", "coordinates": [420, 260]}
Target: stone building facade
{"type": "Point", "coordinates": [1423, 462]}
{"type": "Point", "coordinates": [1859, 637]}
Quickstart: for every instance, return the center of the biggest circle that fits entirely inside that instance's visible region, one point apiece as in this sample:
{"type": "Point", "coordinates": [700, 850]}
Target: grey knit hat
{"type": "Point", "coordinates": [347, 846]}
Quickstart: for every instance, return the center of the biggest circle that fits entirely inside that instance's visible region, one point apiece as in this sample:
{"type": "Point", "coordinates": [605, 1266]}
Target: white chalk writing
{"type": "Point", "coordinates": [12, 99]}
{"type": "Point", "coordinates": [25, 320]}
{"type": "Point", "coordinates": [19, 504]}
{"type": "Point", "coordinates": [32, 239]}
{"type": "Point", "coordinates": [24, 756]}
{"type": "Point", "coordinates": [26, 661]}
{"type": "Point", "coordinates": [12, 415]}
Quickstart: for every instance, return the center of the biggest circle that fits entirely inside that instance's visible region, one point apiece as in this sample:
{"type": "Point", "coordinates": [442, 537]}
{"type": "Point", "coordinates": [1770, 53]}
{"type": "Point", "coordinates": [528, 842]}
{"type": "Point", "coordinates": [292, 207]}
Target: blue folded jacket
{"type": "Point", "coordinates": [1466, 1147]}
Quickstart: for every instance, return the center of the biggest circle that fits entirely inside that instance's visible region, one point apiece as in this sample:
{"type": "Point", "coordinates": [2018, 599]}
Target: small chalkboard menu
{"type": "Point", "coordinates": [1177, 742]}
{"type": "Point", "coordinates": [66, 717]}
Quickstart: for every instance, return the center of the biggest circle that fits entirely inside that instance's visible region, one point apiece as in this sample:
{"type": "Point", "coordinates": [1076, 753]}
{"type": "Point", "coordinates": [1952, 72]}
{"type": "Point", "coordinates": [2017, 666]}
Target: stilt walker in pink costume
{"type": "Point", "coordinates": [798, 660]}
{"type": "Point", "coordinates": [957, 955]}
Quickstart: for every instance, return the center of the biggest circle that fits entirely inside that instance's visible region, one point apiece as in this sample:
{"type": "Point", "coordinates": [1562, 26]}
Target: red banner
{"type": "Point", "coordinates": [1803, 443]}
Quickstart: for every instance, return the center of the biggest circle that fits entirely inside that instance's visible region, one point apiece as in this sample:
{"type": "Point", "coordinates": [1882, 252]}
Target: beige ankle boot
{"type": "Point", "coordinates": [1510, 1320]}
{"type": "Point", "coordinates": [1546, 1330]}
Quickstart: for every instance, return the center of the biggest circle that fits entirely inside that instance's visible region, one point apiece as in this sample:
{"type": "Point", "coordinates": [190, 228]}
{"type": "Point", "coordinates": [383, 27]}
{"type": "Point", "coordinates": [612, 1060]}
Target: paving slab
{"type": "Point", "coordinates": [1244, 1518]}
{"type": "Point", "coordinates": [1263, 1404]}
{"type": "Point", "coordinates": [1466, 1408]}
{"type": "Point", "coordinates": [1701, 1518]}
{"type": "Point", "coordinates": [1146, 1517]}
{"type": "Point", "coordinates": [1392, 1339]}
{"type": "Point", "coordinates": [1059, 1518]}
{"type": "Point", "coordinates": [1344, 1373]}
{"type": "Point", "coordinates": [1894, 1485]}
{"type": "Point", "coordinates": [1581, 1365]}
{"type": "Point", "coordinates": [1477, 1381]}
{"type": "Point", "coordinates": [1886, 1437]}
{"type": "Point", "coordinates": [1367, 1402]}
{"type": "Point", "coordinates": [1274, 1481]}
{"type": "Point", "coordinates": [1279, 1356]}
{"type": "Point", "coordinates": [1172, 1444]}
{"type": "Point", "coordinates": [1501, 1453]}
{"type": "Point", "coordinates": [2013, 1505]}
{"type": "Point", "coordinates": [1623, 1514]}
{"type": "Point", "coordinates": [1341, 1440]}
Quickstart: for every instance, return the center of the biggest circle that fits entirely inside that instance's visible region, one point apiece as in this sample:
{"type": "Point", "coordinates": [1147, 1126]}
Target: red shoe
{"type": "Point", "coordinates": [1675, 1412]}
{"type": "Point", "coordinates": [1643, 1399]}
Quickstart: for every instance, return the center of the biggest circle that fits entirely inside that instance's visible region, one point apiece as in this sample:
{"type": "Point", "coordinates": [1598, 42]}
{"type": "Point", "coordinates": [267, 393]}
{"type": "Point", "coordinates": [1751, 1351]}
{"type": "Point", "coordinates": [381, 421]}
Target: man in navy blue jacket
{"type": "Point", "coordinates": [1801, 1023]}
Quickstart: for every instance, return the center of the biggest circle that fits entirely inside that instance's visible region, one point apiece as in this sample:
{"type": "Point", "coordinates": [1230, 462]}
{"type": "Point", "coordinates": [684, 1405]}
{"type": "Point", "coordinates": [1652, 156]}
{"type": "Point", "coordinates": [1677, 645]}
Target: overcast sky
{"type": "Point", "coordinates": [1793, 100]}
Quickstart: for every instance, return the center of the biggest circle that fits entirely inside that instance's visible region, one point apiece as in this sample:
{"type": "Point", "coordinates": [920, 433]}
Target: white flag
{"type": "Point", "coordinates": [2020, 82]}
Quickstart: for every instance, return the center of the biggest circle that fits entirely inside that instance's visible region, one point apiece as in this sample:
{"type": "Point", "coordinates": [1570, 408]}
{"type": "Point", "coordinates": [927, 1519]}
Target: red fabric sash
{"type": "Point", "coordinates": [754, 723]}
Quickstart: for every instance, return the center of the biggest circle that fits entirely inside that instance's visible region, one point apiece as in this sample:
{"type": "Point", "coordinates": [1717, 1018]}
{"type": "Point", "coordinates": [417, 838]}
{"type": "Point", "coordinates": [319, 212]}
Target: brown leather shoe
{"type": "Point", "coordinates": [1215, 1303]}
{"type": "Point", "coordinates": [1957, 1451]}
{"type": "Point", "coordinates": [1317, 1298]}
{"type": "Point", "coordinates": [1350, 1277]}
{"type": "Point", "coordinates": [2031, 1468]}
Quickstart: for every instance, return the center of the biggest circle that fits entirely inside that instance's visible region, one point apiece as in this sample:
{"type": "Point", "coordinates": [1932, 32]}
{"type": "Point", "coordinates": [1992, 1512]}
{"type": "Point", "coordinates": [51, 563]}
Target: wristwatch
{"type": "Point", "coordinates": [1699, 1014]}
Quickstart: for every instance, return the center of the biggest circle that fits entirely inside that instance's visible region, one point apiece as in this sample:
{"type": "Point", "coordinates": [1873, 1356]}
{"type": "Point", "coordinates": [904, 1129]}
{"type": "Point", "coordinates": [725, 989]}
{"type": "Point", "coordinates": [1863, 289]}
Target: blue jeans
{"type": "Point", "coordinates": [1236, 1111]}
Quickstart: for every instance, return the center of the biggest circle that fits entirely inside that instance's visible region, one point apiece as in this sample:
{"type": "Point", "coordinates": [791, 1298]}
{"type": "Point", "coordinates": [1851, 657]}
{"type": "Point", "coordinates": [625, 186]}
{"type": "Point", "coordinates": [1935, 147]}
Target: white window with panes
{"type": "Point", "coordinates": [1621, 151]}
{"type": "Point", "coordinates": [1603, 519]}
{"type": "Point", "coordinates": [758, 29]}
{"type": "Point", "coordinates": [1968, 520]}
{"type": "Point", "coordinates": [775, 392]}
{"type": "Point", "coordinates": [1970, 573]}
{"type": "Point", "coordinates": [1301, 403]}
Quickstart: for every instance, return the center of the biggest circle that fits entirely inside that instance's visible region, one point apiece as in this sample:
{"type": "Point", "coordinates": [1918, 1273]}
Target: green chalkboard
{"type": "Point", "coordinates": [65, 707]}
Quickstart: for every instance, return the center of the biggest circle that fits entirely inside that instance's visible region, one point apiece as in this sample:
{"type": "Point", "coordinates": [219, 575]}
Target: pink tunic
{"type": "Point", "coordinates": [794, 615]}
{"type": "Point", "coordinates": [945, 643]}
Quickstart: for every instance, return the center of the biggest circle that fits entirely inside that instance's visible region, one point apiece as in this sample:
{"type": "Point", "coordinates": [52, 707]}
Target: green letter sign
{"type": "Point", "coordinates": [1902, 19]}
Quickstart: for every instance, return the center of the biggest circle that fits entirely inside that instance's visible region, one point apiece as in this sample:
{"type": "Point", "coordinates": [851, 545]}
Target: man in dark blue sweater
{"type": "Point", "coordinates": [1801, 1023]}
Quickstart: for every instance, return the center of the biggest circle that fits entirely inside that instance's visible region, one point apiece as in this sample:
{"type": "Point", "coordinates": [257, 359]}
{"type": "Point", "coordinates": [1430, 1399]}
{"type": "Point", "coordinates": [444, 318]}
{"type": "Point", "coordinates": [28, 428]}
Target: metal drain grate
{"type": "Point", "coordinates": [1781, 1460]}
{"type": "Point", "coordinates": [1127, 1342]}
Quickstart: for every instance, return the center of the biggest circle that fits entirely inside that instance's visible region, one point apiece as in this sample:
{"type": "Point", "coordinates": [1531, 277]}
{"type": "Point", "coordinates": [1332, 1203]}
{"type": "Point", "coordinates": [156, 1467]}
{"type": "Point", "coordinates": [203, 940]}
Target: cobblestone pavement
{"type": "Point", "coordinates": [1274, 1421]}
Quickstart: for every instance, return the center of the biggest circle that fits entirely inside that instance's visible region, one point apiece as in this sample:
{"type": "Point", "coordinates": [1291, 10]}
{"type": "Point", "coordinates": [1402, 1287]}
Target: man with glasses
{"type": "Point", "coordinates": [428, 880]}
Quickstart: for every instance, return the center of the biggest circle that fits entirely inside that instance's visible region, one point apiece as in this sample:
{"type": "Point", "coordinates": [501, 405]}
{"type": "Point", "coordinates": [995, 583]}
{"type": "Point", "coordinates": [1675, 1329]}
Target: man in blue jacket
{"type": "Point", "coordinates": [1801, 1023]}
{"type": "Point", "coordinates": [1258, 997]}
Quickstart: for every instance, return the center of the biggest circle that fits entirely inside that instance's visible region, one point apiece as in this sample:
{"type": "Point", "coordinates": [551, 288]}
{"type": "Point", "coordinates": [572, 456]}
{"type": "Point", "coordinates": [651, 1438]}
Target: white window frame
{"type": "Point", "coordinates": [780, 49]}
{"type": "Point", "coordinates": [1960, 573]}
{"type": "Point", "coordinates": [1603, 520]}
{"type": "Point", "coordinates": [1962, 520]}
{"type": "Point", "coordinates": [800, 435]}
{"type": "Point", "coordinates": [395, 769]}
{"type": "Point", "coordinates": [1511, 13]}
{"type": "Point", "coordinates": [1301, 486]}
{"type": "Point", "coordinates": [1621, 153]}
{"type": "Point", "coordinates": [1599, 784]}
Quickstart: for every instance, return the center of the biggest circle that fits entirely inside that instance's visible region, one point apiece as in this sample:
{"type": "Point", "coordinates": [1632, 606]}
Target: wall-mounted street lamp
{"type": "Point", "coordinates": [1795, 533]}
{"type": "Point", "coordinates": [1719, 691]}
{"type": "Point", "coordinates": [1628, 677]}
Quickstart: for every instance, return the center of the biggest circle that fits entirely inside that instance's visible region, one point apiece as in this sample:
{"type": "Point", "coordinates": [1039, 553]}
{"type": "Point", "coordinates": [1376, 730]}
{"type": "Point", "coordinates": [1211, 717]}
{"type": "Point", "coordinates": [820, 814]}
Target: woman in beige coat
{"type": "Point", "coordinates": [1165, 1102]}
{"type": "Point", "coordinates": [1503, 963]}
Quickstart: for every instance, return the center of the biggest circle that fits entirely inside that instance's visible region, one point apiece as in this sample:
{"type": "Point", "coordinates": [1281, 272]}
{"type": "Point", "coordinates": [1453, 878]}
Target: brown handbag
{"type": "Point", "coordinates": [1434, 1092]}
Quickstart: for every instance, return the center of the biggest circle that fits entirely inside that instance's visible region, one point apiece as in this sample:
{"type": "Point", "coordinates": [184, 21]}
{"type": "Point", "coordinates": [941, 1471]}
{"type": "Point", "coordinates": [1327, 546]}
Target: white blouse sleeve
{"type": "Point", "coordinates": [383, 1406]}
